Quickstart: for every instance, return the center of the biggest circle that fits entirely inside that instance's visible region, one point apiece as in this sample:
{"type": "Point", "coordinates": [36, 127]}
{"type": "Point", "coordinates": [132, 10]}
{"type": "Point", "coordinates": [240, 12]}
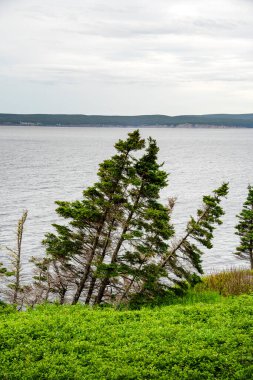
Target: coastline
{"type": "Point", "coordinates": [170, 126]}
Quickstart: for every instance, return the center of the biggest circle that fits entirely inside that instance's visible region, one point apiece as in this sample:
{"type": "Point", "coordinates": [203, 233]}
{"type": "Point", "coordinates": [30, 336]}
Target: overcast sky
{"type": "Point", "coordinates": [126, 56]}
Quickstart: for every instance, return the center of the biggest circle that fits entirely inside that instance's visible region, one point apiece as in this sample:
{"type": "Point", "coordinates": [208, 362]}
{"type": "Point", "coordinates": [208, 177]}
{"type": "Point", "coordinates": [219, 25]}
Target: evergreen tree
{"type": "Point", "coordinates": [117, 239]}
{"type": "Point", "coordinates": [244, 229]}
{"type": "Point", "coordinates": [145, 227]}
{"type": "Point", "coordinates": [85, 242]}
{"type": "Point", "coordinates": [182, 260]}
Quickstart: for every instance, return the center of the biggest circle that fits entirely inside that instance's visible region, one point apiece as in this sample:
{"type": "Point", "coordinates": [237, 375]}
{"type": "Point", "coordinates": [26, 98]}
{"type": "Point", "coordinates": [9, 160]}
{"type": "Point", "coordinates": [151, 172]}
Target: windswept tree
{"type": "Point", "coordinates": [86, 242]}
{"type": "Point", "coordinates": [182, 262]}
{"type": "Point", "coordinates": [117, 239]}
{"type": "Point", "coordinates": [12, 285]}
{"type": "Point", "coordinates": [16, 261]}
{"type": "Point", "coordinates": [244, 229]}
{"type": "Point", "coordinates": [144, 230]}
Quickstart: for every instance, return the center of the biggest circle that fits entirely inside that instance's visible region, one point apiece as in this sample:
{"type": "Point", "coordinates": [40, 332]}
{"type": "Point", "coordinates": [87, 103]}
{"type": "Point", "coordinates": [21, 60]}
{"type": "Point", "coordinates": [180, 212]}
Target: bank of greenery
{"type": "Point", "coordinates": [204, 336]}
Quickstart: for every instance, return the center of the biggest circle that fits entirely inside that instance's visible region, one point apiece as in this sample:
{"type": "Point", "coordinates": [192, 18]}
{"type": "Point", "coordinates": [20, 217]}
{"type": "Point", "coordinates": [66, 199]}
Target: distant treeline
{"type": "Point", "coordinates": [219, 120]}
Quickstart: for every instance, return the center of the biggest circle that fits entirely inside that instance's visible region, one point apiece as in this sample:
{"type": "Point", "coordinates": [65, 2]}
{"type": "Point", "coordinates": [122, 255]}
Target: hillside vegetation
{"type": "Point", "coordinates": [226, 120]}
{"type": "Point", "coordinates": [194, 340]}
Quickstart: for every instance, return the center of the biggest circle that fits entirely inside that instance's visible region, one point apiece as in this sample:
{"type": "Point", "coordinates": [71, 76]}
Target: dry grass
{"type": "Point", "coordinates": [229, 282]}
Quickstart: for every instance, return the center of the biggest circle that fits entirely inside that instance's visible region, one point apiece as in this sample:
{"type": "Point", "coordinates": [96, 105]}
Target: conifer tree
{"type": "Point", "coordinates": [117, 239]}
{"type": "Point", "coordinates": [244, 229]}
{"type": "Point", "coordinates": [145, 226]}
{"type": "Point", "coordinates": [182, 260]}
{"type": "Point", "coordinates": [87, 239]}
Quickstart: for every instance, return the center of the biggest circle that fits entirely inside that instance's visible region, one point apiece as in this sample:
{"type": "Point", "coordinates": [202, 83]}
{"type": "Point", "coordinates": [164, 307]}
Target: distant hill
{"type": "Point", "coordinates": [218, 120]}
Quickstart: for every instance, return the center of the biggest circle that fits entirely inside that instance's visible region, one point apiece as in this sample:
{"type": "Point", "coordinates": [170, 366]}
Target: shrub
{"type": "Point", "coordinates": [191, 342]}
{"type": "Point", "coordinates": [229, 282]}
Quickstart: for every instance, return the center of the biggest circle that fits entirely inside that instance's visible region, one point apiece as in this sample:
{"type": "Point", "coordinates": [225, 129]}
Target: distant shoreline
{"type": "Point", "coordinates": [138, 121]}
{"type": "Point", "coordinates": [180, 126]}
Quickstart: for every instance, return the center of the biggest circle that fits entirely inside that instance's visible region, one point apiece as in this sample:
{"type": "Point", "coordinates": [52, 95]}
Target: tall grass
{"type": "Point", "coordinates": [229, 282]}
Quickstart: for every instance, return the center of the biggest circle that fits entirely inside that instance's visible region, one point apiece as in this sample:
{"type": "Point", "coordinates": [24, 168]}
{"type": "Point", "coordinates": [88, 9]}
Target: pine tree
{"type": "Point", "coordinates": [145, 227]}
{"type": "Point", "coordinates": [117, 239]}
{"type": "Point", "coordinates": [182, 261]}
{"type": "Point", "coordinates": [85, 242]}
{"type": "Point", "coordinates": [244, 229]}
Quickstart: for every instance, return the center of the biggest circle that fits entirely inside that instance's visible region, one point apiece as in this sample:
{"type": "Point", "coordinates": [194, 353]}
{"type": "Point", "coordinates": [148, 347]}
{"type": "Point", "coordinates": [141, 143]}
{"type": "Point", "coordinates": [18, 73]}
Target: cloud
{"type": "Point", "coordinates": [140, 44]}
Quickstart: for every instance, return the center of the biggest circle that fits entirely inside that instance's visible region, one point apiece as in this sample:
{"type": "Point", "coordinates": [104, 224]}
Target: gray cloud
{"type": "Point", "coordinates": [195, 54]}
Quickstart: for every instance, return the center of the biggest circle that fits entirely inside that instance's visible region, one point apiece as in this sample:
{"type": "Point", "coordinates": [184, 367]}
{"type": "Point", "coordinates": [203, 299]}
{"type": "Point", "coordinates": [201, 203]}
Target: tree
{"type": "Point", "coordinates": [244, 229]}
{"type": "Point", "coordinates": [117, 226]}
{"type": "Point", "coordinates": [145, 226]}
{"type": "Point", "coordinates": [15, 292]}
{"type": "Point", "coordinates": [87, 242]}
{"type": "Point", "coordinates": [117, 239]}
{"type": "Point", "coordinates": [184, 256]}
{"type": "Point", "coordinates": [16, 266]}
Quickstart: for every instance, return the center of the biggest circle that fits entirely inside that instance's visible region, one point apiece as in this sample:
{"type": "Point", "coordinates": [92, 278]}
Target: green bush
{"type": "Point", "coordinates": [5, 308]}
{"type": "Point", "coordinates": [195, 341]}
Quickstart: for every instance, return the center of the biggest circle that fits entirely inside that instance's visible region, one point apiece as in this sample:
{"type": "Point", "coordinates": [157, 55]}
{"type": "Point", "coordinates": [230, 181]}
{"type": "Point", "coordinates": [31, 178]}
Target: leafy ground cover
{"type": "Point", "coordinates": [194, 340]}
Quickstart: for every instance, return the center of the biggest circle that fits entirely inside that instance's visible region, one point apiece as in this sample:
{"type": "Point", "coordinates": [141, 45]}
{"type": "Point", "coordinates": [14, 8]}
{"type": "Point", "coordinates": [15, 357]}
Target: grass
{"type": "Point", "coordinates": [205, 337]}
{"type": "Point", "coordinates": [229, 282]}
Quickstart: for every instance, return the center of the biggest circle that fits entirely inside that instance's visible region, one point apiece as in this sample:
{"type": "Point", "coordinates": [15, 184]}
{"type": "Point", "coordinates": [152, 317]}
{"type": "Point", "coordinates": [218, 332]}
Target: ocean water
{"type": "Point", "coordinates": [42, 164]}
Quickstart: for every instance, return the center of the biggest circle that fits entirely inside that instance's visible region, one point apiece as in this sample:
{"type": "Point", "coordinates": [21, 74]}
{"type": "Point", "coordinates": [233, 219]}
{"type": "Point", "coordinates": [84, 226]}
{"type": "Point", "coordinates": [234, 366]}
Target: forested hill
{"type": "Point", "coordinates": [218, 120]}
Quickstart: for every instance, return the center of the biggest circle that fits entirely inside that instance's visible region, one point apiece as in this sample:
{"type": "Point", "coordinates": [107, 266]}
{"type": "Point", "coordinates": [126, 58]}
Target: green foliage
{"type": "Point", "coordinates": [244, 229]}
{"type": "Point", "coordinates": [116, 241]}
{"type": "Point", "coordinates": [183, 258]}
{"type": "Point", "coordinates": [173, 296]}
{"type": "Point", "coordinates": [116, 229]}
{"type": "Point", "coordinates": [193, 341]}
{"type": "Point", "coordinates": [6, 308]}
{"type": "Point", "coordinates": [4, 271]}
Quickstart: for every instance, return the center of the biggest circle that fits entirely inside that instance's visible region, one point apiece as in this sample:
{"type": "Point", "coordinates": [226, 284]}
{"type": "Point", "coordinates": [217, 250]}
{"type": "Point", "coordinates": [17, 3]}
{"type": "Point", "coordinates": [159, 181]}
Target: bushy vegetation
{"type": "Point", "coordinates": [193, 341]}
{"type": "Point", "coordinates": [229, 282]}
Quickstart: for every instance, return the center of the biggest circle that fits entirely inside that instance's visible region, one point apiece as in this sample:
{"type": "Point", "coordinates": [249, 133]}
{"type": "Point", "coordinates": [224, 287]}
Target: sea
{"type": "Point", "coordinates": [40, 165]}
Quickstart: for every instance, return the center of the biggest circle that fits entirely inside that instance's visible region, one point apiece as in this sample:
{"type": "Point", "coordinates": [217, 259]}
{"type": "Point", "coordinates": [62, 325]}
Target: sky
{"type": "Point", "coordinates": [126, 57]}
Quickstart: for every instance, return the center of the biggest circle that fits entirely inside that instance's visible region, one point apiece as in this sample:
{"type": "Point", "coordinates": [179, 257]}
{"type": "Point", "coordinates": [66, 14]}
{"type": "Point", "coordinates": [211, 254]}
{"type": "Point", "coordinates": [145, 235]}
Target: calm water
{"type": "Point", "coordinates": [42, 164]}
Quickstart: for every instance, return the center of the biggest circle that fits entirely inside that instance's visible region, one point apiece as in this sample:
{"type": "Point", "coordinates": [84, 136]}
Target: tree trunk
{"type": "Point", "coordinates": [251, 254]}
{"type": "Point", "coordinates": [93, 281]}
{"type": "Point", "coordinates": [92, 254]}
{"type": "Point", "coordinates": [106, 280]}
